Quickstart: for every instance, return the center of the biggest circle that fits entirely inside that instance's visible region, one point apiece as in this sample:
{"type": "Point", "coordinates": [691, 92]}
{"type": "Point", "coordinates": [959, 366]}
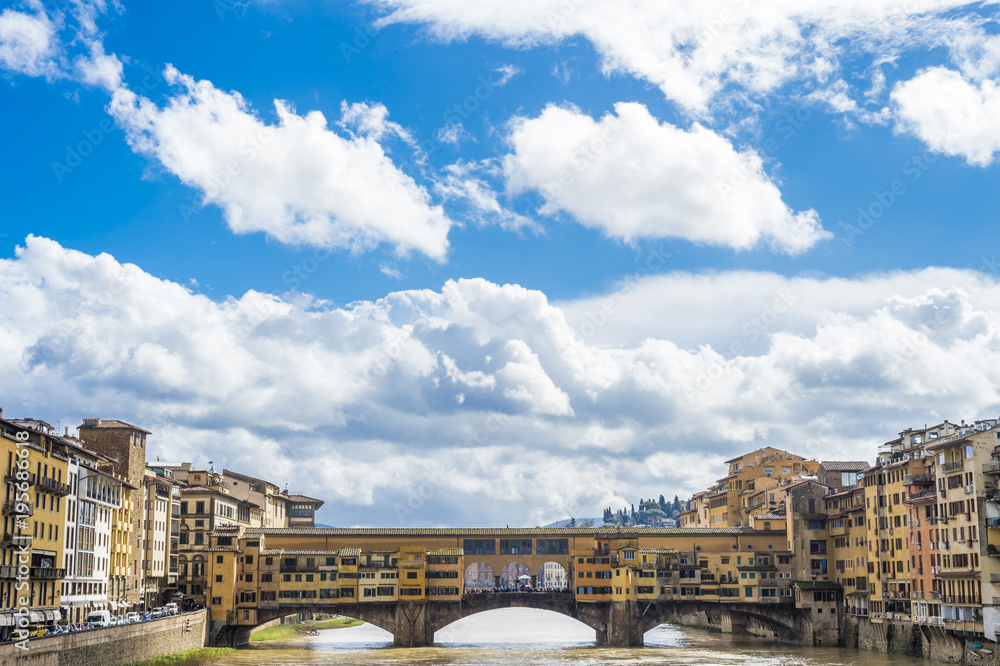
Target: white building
{"type": "Point", "coordinates": [95, 495]}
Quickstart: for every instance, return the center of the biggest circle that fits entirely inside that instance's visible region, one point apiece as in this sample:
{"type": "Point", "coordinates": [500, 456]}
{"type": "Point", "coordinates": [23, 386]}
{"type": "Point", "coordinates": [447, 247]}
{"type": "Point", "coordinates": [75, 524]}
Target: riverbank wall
{"type": "Point", "coordinates": [889, 637]}
{"type": "Point", "coordinates": [113, 645]}
{"type": "Point", "coordinates": [920, 641]}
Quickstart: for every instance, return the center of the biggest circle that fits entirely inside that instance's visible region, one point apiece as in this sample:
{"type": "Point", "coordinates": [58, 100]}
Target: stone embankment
{"type": "Point", "coordinates": [113, 645]}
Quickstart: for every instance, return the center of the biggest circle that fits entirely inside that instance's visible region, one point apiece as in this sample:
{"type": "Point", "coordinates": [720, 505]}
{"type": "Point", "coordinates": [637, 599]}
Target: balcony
{"type": "Point", "coordinates": [47, 572]}
{"type": "Point", "coordinates": [993, 522]}
{"type": "Point", "coordinates": [8, 571]}
{"type": "Point", "coordinates": [10, 508]}
{"type": "Point", "coordinates": [53, 486]}
{"type": "Point", "coordinates": [991, 468]}
{"type": "Point", "coordinates": [917, 480]}
{"type": "Point", "coordinates": [12, 478]}
{"type": "Point", "coordinates": [953, 466]}
{"type": "Point", "coordinates": [10, 540]}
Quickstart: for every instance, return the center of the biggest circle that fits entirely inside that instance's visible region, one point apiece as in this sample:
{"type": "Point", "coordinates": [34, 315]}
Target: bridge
{"type": "Point", "coordinates": [414, 582]}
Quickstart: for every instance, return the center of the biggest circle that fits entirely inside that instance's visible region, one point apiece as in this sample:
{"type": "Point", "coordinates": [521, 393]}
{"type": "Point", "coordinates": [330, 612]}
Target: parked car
{"type": "Point", "coordinates": [101, 618]}
{"type": "Point", "coordinates": [171, 608]}
{"type": "Point", "coordinates": [159, 611]}
{"type": "Point", "coordinates": [132, 617]}
{"type": "Point", "coordinates": [36, 632]}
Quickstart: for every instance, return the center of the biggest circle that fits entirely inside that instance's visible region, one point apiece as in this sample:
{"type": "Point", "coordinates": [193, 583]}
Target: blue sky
{"type": "Point", "coordinates": [544, 245]}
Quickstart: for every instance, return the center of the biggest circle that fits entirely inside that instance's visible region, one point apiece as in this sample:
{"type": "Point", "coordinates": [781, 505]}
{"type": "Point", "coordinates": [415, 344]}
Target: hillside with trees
{"type": "Point", "coordinates": [650, 513]}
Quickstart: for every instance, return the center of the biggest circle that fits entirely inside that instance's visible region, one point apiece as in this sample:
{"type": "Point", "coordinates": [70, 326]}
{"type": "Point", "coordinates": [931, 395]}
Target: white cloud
{"type": "Point", "coordinates": [694, 50]}
{"type": "Point", "coordinates": [950, 114]}
{"type": "Point", "coordinates": [28, 44]}
{"type": "Point", "coordinates": [466, 183]}
{"type": "Point", "coordinates": [371, 120]}
{"type": "Point", "coordinates": [295, 180]}
{"type": "Point", "coordinates": [99, 69]}
{"type": "Point", "coordinates": [41, 44]}
{"type": "Point", "coordinates": [454, 133]}
{"type": "Point", "coordinates": [506, 72]}
{"type": "Point", "coordinates": [632, 177]}
{"type": "Point", "coordinates": [482, 390]}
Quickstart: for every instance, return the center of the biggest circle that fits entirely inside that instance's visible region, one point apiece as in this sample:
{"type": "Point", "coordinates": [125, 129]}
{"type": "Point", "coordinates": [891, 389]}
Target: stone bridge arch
{"type": "Point", "coordinates": [783, 620]}
{"type": "Point", "coordinates": [388, 616]}
{"type": "Point", "coordinates": [444, 614]}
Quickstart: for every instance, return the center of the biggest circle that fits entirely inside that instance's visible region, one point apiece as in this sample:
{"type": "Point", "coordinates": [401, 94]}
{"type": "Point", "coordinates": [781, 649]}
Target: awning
{"type": "Point", "coordinates": [7, 620]}
{"type": "Point", "coordinates": [112, 605]}
{"type": "Point", "coordinates": [36, 616]}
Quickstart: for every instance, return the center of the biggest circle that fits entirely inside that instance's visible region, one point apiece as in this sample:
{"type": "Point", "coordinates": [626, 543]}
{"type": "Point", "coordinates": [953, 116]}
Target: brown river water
{"type": "Point", "coordinates": [536, 637]}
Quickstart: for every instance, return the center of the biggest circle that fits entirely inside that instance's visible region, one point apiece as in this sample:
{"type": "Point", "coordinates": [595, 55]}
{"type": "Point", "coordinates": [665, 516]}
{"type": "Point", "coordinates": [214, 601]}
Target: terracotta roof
{"type": "Point", "coordinates": [658, 551]}
{"type": "Point", "coordinates": [303, 499]}
{"type": "Point", "coordinates": [446, 551]}
{"type": "Point", "coordinates": [113, 424]}
{"type": "Point", "coordinates": [351, 551]}
{"type": "Point", "coordinates": [845, 465]}
{"type": "Point", "coordinates": [818, 585]}
{"type": "Point", "coordinates": [499, 531]}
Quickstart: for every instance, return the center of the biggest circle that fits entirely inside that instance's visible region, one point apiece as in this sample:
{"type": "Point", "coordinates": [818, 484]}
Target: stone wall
{"type": "Point", "coordinates": [921, 642]}
{"type": "Point", "coordinates": [113, 645]}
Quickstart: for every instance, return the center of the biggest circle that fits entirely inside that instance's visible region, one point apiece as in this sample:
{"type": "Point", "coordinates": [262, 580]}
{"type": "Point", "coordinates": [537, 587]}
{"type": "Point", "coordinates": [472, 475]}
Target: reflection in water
{"type": "Point", "coordinates": [536, 637]}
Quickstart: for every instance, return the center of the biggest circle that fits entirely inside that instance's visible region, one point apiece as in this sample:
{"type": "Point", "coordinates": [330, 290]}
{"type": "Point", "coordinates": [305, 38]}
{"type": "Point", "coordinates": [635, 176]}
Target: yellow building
{"type": "Point", "coordinates": [31, 551]}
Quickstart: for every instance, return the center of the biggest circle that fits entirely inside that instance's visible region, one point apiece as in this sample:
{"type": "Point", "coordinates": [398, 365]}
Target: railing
{"type": "Point", "coordinates": [953, 466]}
{"type": "Point", "coordinates": [14, 540]}
{"type": "Point", "coordinates": [991, 468]}
{"type": "Point", "coordinates": [54, 486]}
{"type": "Point", "coordinates": [917, 479]}
{"type": "Point", "coordinates": [10, 508]}
{"type": "Point", "coordinates": [936, 620]}
{"type": "Point", "coordinates": [8, 571]}
{"type": "Point", "coordinates": [47, 572]}
{"type": "Point", "coordinates": [993, 522]}
{"type": "Point", "coordinates": [995, 579]}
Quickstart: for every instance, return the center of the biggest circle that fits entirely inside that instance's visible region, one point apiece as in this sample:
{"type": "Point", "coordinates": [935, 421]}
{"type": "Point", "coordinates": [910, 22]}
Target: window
{"type": "Point", "coordinates": [199, 507]}
{"type": "Point", "coordinates": [411, 575]}
{"type": "Point", "coordinates": [968, 451]}
{"type": "Point", "coordinates": [552, 546]}
{"type": "Point", "coordinates": [199, 539]}
{"type": "Point", "coordinates": [249, 559]}
{"type": "Point", "coordinates": [218, 578]}
{"type": "Point", "coordinates": [218, 559]}
{"type": "Point", "coordinates": [480, 547]}
{"type": "Point", "coordinates": [628, 554]}
{"type": "Point", "coordinates": [216, 601]}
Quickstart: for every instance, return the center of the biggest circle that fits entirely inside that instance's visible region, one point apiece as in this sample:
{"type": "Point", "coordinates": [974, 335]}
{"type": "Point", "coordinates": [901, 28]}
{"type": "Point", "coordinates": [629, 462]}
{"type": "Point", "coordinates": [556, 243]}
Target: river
{"type": "Point", "coordinates": [536, 637]}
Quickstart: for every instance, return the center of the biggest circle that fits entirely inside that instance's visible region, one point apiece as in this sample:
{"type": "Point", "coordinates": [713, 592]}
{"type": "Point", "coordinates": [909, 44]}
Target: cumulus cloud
{"type": "Point", "coordinates": [28, 44]}
{"type": "Point", "coordinates": [41, 43]}
{"type": "Point", "coordinates": [486, 392]}
{"type": "Point", "coordinates": [696, 49]}
{"type": "Point", "coordinates": [951, 114]}
{"type": "Point", "coordinates": [632, 177]}
{"type": "Point", "coordinates": [295, 180]}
